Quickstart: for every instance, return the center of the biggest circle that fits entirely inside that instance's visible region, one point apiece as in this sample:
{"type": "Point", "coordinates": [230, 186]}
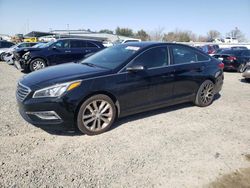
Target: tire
{"type": "Point", "coordinates": [1, 56]}
{"type": "Point", "coordinates": [205, 94]}
{"type": "Point", "coordinates": [247, 79]}
{"type": "Point", "coordinates": [91, 119]}
{"type": "Point", "coordinates": [37, 64]}
{"type": "Point", "coordinates": [241, 68]}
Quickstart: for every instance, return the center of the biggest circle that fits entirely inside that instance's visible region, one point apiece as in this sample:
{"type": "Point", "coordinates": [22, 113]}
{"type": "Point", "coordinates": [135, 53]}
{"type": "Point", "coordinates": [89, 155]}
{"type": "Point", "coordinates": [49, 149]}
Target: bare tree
{"type": "Point", "coordinates": [213, 34]}
{"type": "Point", "coordinates": [236, 33]}
{"type": "Point", "coordinates": [157, 34]}
{"type": "Point", "coordinates": [179, 36]}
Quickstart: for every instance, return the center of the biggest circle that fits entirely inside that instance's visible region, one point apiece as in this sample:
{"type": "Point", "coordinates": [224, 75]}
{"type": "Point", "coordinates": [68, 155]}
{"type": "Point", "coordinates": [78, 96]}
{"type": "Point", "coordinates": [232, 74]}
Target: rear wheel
{"type": "Point", "coordinates": [96, 115]}
{"type": "Point", "coordinates": [37, 64]}
{"type": "Point", "coordinates": [205, 94]}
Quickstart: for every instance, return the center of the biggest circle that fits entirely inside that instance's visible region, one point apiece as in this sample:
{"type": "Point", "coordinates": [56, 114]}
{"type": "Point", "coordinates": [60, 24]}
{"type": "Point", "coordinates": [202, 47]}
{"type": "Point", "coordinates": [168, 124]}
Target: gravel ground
{"type": "Point", "coordinates": [179, 146]}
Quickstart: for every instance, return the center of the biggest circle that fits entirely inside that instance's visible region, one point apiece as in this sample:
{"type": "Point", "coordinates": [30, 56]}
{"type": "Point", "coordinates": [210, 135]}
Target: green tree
{"type": "Point", "coordinates": [124, 32]}
{"type": "Point", "coordinates": [141, 34]}
{"type": "Point", "coordinates": [106, 31]}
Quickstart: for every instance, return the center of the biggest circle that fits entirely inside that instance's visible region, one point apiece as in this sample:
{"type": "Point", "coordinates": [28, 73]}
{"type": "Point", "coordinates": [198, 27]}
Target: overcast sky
{"type": "Point", "coordinates": [21, 16]}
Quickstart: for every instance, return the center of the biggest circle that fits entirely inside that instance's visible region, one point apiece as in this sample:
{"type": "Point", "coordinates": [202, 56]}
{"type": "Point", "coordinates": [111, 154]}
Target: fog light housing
{"type": "Point", "coordinates": [46, 115]}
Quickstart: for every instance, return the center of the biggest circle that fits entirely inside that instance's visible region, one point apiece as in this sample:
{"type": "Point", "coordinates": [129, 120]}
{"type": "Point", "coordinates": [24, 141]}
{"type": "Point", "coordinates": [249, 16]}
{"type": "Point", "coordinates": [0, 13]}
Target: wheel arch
{"type": "Point", "coordinates": [39, 57]}
{"type": "Point", "coordinates": [109, 94]}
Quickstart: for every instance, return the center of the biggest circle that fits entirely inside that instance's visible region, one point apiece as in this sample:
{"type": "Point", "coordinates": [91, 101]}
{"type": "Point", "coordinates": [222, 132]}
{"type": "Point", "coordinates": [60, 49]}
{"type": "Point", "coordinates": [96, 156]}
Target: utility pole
{"type": "Point", "coordinates": [68, 29]}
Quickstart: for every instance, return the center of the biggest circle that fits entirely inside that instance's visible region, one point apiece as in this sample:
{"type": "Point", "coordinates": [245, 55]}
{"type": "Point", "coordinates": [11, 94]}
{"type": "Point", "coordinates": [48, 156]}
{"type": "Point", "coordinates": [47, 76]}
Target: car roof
{"type": "Point", "coordinates": [146, 44]}
{"type": "Point", "coordinates": [77, 39]}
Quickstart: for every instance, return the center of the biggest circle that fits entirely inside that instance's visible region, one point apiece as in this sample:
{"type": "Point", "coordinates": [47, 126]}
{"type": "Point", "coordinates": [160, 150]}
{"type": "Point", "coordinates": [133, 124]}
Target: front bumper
{"type": "Point", "coordinates": [29, 108]}
{"type": "Point", "coordinates": [20, 64]}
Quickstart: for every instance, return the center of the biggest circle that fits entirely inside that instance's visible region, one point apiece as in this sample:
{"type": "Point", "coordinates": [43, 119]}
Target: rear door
{"type": "Point", "coordinates": [189, 66]}
{"type": "Point", "coordinates": [77, 49]}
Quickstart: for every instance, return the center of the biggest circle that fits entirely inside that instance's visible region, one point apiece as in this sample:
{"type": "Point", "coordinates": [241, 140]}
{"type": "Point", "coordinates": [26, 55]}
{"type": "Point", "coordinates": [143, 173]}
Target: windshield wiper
{"type": "Point", "coordinates": [93, 65]}
{"type": "Point", "coordinates": [89, 64]}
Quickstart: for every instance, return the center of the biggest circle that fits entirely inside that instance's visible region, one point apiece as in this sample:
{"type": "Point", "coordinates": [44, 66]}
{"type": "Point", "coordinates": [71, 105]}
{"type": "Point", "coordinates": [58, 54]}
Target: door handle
{"type": "Point", "coordinates": [68, 51]}
{"type": "Point", "coordinates": [171, 75]}
{"type": "Point", "coordinates": [87, 50]}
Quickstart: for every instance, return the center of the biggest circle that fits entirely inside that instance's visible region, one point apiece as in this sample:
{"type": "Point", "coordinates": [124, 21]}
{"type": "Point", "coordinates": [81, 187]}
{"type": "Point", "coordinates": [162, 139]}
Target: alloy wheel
{"type": "Point", "coordinates": [97, 115]}
{"type": "Point", "coordinates": [38, 65]}
{"type": "Point", "coordinates": [207, 93]}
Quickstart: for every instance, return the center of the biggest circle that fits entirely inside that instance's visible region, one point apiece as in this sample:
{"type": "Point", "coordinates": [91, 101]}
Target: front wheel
{"type": "Point", "coordinates": [205, 94]}
{"type": "Point", "coordinates": [96, 115]}
{"type": "Point", "coordinates": [2, 56]}
{"type": "Point", "coordinates": [37, 64]}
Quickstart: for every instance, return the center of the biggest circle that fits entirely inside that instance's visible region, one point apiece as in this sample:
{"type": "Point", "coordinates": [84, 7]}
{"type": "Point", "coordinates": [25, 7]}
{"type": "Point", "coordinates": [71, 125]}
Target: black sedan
{"type": "Point", "coordinates": [234, 59]}
{"type": "Point", "coordinates": [116, 82]}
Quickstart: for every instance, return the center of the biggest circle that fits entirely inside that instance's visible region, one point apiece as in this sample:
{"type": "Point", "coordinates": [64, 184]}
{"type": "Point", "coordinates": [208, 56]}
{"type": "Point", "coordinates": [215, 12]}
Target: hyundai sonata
{"type": "Point", "coordinates": [117, 82]}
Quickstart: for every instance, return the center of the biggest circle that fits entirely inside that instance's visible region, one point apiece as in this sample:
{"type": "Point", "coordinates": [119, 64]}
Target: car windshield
{"type": "Point", "coordinates": [112, 57]}
{"type": "Point", "coordinates": [38, 45]}
{"type": "Point", "coordinates": [47, 44]}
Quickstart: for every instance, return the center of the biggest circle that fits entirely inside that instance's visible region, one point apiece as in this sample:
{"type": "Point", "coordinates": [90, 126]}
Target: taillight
{"type": "Point", "coordinates": [231, 58]}
{"type": "Point", "coordinates": [221, 65]}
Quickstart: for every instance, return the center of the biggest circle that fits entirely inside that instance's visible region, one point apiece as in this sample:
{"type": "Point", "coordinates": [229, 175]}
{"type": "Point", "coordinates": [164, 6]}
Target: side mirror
{"type": "Point", "coordinates": [135, 68]}
{"type": "Point", "coordinates": [53, 47]}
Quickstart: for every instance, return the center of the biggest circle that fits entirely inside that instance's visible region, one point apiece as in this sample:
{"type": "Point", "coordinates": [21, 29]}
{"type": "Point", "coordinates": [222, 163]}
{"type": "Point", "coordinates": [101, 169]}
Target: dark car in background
{"type": "Point", "coordinates": [5, 44]}
{"type": "Point", "coordinates": [210, 48]}
{"type": "Point", "coordinates": [234, 59]}
{"type": "Point", "coordinates": [57, 52]}
{"type": "Point", "coordinates": [116, 82]}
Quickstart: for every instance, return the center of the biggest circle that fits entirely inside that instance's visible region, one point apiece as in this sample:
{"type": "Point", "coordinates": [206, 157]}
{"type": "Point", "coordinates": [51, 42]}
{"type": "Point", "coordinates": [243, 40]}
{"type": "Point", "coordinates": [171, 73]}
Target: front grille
{"type": "Point", "coordinates": [22, 92]}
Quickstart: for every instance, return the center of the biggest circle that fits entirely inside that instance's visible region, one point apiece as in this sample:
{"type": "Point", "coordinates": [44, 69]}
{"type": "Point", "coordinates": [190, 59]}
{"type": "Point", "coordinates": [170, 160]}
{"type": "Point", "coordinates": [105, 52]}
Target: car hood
{"type": "Point", "coordinates": [60, 74]}
{"type": "Point", "coordinates": [27, 49]}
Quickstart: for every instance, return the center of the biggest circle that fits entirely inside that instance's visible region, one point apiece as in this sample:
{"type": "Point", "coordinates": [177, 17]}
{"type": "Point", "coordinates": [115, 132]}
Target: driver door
{"type": "Point", "coordinates": [150, 87]}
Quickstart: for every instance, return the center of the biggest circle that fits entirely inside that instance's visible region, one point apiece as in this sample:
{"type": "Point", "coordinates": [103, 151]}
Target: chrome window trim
{"type": "Point", "coordinates": [122, 69]}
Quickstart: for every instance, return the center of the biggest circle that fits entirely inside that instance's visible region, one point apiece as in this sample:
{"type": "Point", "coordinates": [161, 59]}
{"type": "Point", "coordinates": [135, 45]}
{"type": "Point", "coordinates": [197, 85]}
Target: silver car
{"type": "Point", "coordinates": [246, 73]}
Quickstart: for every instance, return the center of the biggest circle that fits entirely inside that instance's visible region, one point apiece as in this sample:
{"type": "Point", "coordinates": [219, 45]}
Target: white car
{"type": "Point", "coordinates": [47, 38]}
{"type": "Point", "coordinates": [122, 41]}
{"type": "Point", "coordinates": [4, 51]}
{"type": "Point", "coordinates": [107, 43]}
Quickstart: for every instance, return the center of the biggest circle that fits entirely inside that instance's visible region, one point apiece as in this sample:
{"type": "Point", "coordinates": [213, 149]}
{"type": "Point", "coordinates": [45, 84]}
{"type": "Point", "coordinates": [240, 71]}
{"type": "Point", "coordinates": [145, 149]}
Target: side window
{"type": "Point", "coordinates": [182, 54]}
{"type": "Point", "coordinates": [91, 45]}
{"type": "Point", "coordinates": [76, 44]}
{"type": "Point", "coordinates": [62, 44]}
{"type": "Point", "coordinates": [155, 57]}
{"type": "Point", "coordinates": [246, 53]}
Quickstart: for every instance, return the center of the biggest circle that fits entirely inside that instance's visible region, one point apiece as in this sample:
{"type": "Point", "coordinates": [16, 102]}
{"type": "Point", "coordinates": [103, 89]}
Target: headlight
{"type": "Point", "coordinates": [56, 90]}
